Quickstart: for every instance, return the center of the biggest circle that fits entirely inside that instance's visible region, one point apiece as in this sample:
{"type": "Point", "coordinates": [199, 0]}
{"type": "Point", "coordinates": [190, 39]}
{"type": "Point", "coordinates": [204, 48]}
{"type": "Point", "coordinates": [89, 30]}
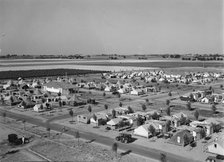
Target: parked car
{"type": "Point", "coordinates": [167, 135]}
{"type": "Point", "coordinates": [214, 159]}
{"type": "Point", "coordinates": [160, 135]}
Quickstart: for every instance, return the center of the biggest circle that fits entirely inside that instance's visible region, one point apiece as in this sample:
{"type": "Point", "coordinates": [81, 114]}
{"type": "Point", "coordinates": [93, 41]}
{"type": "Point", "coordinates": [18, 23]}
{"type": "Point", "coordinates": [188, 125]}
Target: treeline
{"type": "Point", "coordinates": [15, 56]}
{"type": "Point", "coordinates": [171, 56]}
{"type": "Point", "coordinates": [44, 73]}
{"type": "Point", "coordinates": [203, 58]}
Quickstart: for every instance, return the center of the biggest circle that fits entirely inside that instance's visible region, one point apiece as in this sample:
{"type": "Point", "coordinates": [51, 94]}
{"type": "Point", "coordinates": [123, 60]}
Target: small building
{"type": "Point", "coordinates": [176, 119]}
{"type": "Point", "coordinates": [26, 103]}
{"type": "Point", "coordinates": [84, 118]}
{"type": "Point", "coordinates": [38, 108]}
{"type": "Point", "coordinates": [181, 138]}
{"type": "Point", "coordinates": [130, 119]}
{"type": "Point", "coordinates": [12, 100]}
{"type": "Point", "coordinates": [137, 92]}
{"type": "Point", "coordinates": [122, 90]}
{"type": "Point", "coordinates": [120, 110]}
{"type": "Point", "coordinates": [75, 101]}
{"type": "Point", "coordinates": [207, 126]}
{"type": "Point", "coordinates": [205, 100]}
{"type": "Point", "coordinates": [114, 123]}
{"type": "Point", "coordinates": [217, 146]}
{"type": "Point", "coordinates": [36, 98]}
{"type": "Point", "coordinates": [59, 87]}
{"type": "Point", "coordinates": [159, 126]}
{"type": "Point", "coordinates": [101, 119]}
{"type": "Point", "coordinates": [195, 131]}
{"type": "Point", "coordinates": [142, 131]}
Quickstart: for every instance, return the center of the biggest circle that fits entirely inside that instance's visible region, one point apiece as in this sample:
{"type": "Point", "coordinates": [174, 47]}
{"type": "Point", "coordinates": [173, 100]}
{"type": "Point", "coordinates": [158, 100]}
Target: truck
{"type": "Point", "coordinates": [13, 139]}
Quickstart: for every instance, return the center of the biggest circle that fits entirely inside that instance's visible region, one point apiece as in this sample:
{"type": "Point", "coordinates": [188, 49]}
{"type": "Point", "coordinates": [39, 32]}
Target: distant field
{"type": "Point", "coordinates": [132, 63]}
{"type": "Point", "coordinates": [103, 65]}
{"type": "Point", "coordinates": [43, 73]}
{"type": "Point", "coordinates": [169, 64]}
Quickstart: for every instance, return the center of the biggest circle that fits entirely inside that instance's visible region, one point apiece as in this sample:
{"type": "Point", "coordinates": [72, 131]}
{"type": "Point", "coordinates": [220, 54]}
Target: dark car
{"type": "Point", "coordinates": [124, 137]}
{"type": "Point", "coordinates": [211, 159]}
{"type": "Point", "coordinates": [218, 158]}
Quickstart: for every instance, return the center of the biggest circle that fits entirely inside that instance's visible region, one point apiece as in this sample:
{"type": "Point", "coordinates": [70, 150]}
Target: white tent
{"type": "Point", "coordinates": [142, 131]}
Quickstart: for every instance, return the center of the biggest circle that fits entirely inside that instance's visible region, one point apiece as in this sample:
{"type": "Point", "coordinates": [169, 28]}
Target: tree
{"type": "Point", "coordinates": [2, 100]}
{"type": "Point", "coordinates": [214, 108]}
{"type": "Point", "coordinates": [94, 117]}
{"type": "Point", "coordinates": [77, 136]}
{"type": "Point", "coordinates": [130, 110]}
{"type": "Point", "coordinates": [155, 116]}
{"type": "Point", "coordinates": [216, 127]}
{"type": "Point", "coordinates": [167, 102]}
{"type": "Point", "coordinates": [183, 120]}
{"type": "Point", "coordinates": [120, 104]}
{"type": "Point", "coordinates": [163, 157]}
{"type": "Point", "coordinates": [89, 109]}
{"type": "Point", "coordinates": [210, 88]}
{"type": "Point", "coordinates": [139, 120]}
{"type": "Point", "coordinates": [4, 116]}
{"type": "Point", "coordinates": [169, 94]}
{"type": "Point", "coordinates": [106, 106]}
{"type": "Point", "coordinates": [119, 95]}
{"type": "Point", "coordinates": [60, 103]}
{"type": "Point", "coordinates": [147, 101]}
{"type": "Point", "coordinates": [152, 130]}
{"type": "Point", "coordinates": [48, 106]}
{"type": "Point", "coordinates": [49, 130]}
{"type": "Point", "coordinates": [168, 111]}
{"type": "Point", "coordinates": [168, 126]}
{"type": "Point", "coordinates": [24, 124]}
{"type": "Point", "coordinates": [113, 113]}
{"type": "Point", "coordinates": [71, 113]}
{"type": "Point", "coordinates": [191, 96]}
{"type": "Point", "coordinates": [11, 100]}
{"type": "Point", "coordinates": [189, 106]}
{"type": "Point", "coordinates": [144, 107]}
{"type": "Point", "coordinates": [196, 114]}
{"type": "Point", "coordinates": [114, 148]}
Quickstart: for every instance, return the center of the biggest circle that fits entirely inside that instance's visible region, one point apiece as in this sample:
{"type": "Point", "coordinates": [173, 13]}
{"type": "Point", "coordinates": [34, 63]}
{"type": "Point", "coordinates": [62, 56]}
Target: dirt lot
{"type": "Point", "coordinates": [21, 152]}
{"type": "Point", "coordinates": [57, 147]}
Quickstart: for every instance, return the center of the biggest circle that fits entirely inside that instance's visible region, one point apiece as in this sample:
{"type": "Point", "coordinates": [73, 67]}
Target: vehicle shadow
{"type": "Point", "coordinates": [90, 141]}
{"type": "Point", "coordinates": [125, 153]}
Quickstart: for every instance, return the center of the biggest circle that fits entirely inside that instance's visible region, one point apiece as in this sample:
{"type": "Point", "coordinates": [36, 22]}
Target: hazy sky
{"type": "Point", "coordinates": [111, 26]}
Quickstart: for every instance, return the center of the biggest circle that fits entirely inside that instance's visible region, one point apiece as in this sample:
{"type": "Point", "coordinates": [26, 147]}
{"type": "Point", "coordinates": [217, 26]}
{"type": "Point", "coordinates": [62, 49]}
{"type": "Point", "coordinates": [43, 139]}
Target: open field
{"type": "Point", "coordinates": [159, 64]}
{"type": "Point", "coordinates": [106, 65]}
{"type": "Point", "coordinates": [133, 63]}
{"type": "Point", "coordinates": [43, 73]}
